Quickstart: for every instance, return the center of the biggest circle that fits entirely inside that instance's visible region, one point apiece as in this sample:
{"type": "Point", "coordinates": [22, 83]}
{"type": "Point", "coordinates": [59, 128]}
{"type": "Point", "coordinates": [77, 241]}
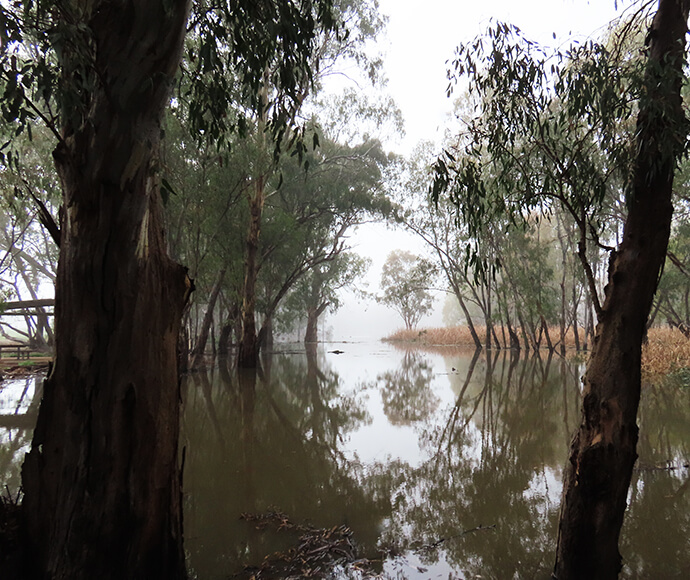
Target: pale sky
{"type": "Point", "coordinates": [420, 38]}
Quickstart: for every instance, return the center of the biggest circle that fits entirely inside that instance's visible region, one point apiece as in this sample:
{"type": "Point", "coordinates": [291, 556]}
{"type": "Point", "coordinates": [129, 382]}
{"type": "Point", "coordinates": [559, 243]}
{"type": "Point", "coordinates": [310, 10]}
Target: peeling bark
{"type": "Point", "coordinates": [102, 482]}
{"type": "Point", "coordinates": [248, 353]}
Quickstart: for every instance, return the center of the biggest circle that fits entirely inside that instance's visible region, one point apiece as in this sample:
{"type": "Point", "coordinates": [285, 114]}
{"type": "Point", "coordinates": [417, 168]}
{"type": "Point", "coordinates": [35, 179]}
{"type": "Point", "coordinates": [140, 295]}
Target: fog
{"type": "Point", "coordinates": [417, 45]}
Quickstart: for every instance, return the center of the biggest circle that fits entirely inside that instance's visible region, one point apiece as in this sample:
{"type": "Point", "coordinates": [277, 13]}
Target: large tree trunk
{"type": "Point", "coordinates": [102, 481]}
{"type": "Point", "coordinates": [603, 450]}
{"type": "Point", "coordinates": [248, 354]}
{"type": "Point", "coordinates": [311, 334]}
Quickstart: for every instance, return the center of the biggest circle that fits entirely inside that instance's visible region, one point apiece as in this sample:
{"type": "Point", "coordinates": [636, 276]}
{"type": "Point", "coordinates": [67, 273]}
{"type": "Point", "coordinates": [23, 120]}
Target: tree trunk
{"type": "Point", "coordinates": [468, 320]}
{"type": "Point", "coordinates": [311, 335]}
{"type": "Point", "coordinates": [564, 266]}
{"type": "Point", "coordinates": [455, 284]}
{"type": "Point", "coordinates": [545, 328]}
{"type": "Point", "coordinates": [603, 451]}
{"type": "Point", "coordinates": [224, 341]}
{"type": "Point", "coordinates": [523, 330]}
{"type": "Point", "coordinates": [312, 332]}
{"type": "Point", "coordinates": [102, 481]}
{"type": "Point", "coordinates": [248, 354]}
{"type": "Point", "coordinates": [200, 346]}
{"type": "Point", "coordinates": [562, 326]}
{"type": "Point", "coordinates": [487, 318]}
{"type": "Point", "coordinates": [265, 337]}
{"type": "Point", "coordinates": [576, 332]}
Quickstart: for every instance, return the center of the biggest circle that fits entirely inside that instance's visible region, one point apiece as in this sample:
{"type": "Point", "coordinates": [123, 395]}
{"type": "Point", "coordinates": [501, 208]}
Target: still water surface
{"type": "Point", "coordinates": [443, 464]}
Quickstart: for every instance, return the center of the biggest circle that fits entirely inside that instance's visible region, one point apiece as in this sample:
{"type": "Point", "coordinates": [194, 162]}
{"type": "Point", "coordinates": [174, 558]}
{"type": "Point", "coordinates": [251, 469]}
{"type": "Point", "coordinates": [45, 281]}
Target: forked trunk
{"type": "Point", "coordinates": [311, 334]}
{"type": "Point", "coordinates": [102, 482]}
{"type": "Point", "coordinates": [603, 450]}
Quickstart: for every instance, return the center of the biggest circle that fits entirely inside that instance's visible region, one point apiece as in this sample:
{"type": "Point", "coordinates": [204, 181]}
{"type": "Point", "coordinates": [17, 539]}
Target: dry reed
{"type": "Point", "coordinates": [461, 336]}
{"type": "Point", "coordinates": [667, 350]}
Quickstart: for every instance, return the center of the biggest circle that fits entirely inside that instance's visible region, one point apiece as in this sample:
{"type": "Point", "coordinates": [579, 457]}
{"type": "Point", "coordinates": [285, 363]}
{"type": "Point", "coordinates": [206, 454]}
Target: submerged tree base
{"type": "Point", "coordinates": [12, 548]}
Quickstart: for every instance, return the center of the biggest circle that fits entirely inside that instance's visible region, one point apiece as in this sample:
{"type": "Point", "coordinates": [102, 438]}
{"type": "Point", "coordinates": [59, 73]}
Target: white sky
{"type": "Point", "coordinates": [420, 38]}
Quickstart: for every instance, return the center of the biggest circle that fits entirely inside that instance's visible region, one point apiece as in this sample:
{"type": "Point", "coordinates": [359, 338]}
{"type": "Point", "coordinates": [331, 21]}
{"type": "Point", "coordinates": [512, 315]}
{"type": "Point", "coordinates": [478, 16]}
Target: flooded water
{"type": "Point", "coordinates": [442, 465]}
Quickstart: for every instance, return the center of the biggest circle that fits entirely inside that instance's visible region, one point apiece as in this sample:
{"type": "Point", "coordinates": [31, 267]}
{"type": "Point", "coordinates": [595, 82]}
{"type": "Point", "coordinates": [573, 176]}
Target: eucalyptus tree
{"type": "Point", "coordinates": [101, 482]}
{"type": "Point", "coordinates": [406, 284]}
{"type": "Point", "coordinates": [319, 291]}
{"type": "Point", "coordinates": [267, 116]}
{"type": "Point", "coordinates": [310, 217]}
{"type": "Point", "coordinates": [550, 132]}
{"type": "Point", "coordinates": [308, 213]}
{"type": "Point", "coordinates": [573, 287]}
{"type": "Point", "coordinates": [599, 98]}
{"type": "Point", "coordinates": [435, 224]}
{"type": "Point", "coordinates": [206, 215]}
{"type": "Point", "coordinates": [28, 195]}
{"type": "Point", "coordinates": [527, 276]}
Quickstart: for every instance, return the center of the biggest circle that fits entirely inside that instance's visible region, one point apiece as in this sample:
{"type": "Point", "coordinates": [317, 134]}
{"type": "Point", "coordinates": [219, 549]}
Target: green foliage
{"type": "Point", "coordinates": [406, 281]}
{"type": "Point", "coordinates": [673, 294]}
{"type": "Point", "coordinates": [319, 289]}
{"type": "Point", "coordinates": [246, 61]}
{"type": "Point", "coordinates": [29, 88]}
{"type": "Point", "coordinates": [350, 117]}
{"type": "Point", "coordinates": [306, 218]}
{"type": "Point", "coordinates": [309, 216]}
{"type": "Point", "coordinates": [549, 130]}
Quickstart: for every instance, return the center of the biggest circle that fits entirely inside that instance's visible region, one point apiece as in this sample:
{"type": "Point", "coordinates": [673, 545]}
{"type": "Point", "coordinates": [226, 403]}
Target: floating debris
{"type": "Point", "coordinates": [317, 553]}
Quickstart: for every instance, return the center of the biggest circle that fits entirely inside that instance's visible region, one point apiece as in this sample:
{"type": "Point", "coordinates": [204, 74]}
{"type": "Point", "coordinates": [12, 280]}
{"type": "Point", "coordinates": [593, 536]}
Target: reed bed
{"type": "Point", "coordinates": [449, 336]}
{"type": "Point", "coordinates": [667, 350]}
{"type": "Point", "coordinates": [460, 336]}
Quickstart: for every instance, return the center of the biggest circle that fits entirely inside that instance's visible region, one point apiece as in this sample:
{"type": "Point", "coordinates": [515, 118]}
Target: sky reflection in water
{"type": "Point", "coordinates": [443, 464]}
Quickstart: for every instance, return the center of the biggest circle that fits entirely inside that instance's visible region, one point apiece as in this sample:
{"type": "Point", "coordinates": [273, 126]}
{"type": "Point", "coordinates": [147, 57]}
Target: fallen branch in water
{"type": "Point", "coordinates": [437, 543]}
{"type": "Point", "coordinates": [317, 552]}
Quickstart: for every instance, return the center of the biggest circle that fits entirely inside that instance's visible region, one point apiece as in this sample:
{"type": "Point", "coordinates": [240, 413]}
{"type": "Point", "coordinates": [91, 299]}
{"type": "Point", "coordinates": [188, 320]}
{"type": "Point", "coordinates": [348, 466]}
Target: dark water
{"type": "Point", "coordinates": [442, 465]}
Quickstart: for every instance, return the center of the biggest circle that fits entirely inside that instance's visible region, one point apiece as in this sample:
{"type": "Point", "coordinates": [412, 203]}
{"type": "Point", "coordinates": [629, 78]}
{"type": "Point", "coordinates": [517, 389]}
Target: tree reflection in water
{"type": "Point", "coordinates": [405, 391]}
{"type": "Point", "coordinates": [493, 467]}
{"type": "Point", "coordinates": [482, 497]}
{"type": "Point", "coordinates": [19, 400]}
{"type": "Point", "coordinates": [274, 445]}
{"type": "Point", "coordinates": [479, 497]}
